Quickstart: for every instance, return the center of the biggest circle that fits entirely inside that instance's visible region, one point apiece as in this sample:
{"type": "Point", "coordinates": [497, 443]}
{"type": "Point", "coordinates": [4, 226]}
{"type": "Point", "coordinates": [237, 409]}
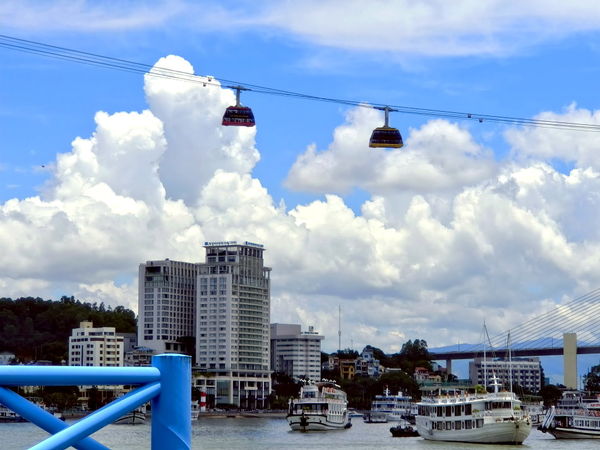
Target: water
{"type": "Point", "coordinates": [263, 433]}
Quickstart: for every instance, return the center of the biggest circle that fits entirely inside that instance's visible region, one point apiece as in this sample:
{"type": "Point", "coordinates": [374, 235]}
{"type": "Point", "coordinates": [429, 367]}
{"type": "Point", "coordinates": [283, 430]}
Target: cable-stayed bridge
{"type": "Point", "coordinates": [568, 329]}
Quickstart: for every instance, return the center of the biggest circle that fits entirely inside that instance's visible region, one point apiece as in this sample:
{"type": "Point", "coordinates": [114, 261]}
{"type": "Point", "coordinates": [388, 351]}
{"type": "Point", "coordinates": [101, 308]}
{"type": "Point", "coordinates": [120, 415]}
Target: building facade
{"type": "Point", "coordinates": [232, 324]}
{"type": "Point", "coordinates": [89, 346]}
{"type": "Point", "coordinates": [296, 353]}
{"type": "Point", "coordinates": [526, 372]}
{"type": "Point", "coordinates": [166, 305]}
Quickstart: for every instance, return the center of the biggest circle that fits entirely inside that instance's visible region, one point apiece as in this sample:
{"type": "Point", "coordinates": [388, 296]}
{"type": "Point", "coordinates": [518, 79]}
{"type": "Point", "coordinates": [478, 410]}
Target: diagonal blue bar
{"type": "Point", "coordinates": [73, 376]}
{"type": "Point", "coordinates": [41, 418]}
{"type": "Point", "coordinates": [104, 416]}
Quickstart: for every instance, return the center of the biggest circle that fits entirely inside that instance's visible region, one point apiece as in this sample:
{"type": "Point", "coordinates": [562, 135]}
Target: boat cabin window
{"type": "Point", "coordinates": [468, 424]}
{"type": "Point", "coordinates": [497, 405]}
{"type": "Point", "coordinates": [479, 423]}
{"type": "Point", "coordinates": [457, 425]}
{"type": "Point", "coordinates": [468, 409]}
{"type": "Point", "coordinates": [310, 407]}
{"type": "Point", "coordinates": [448, 411]}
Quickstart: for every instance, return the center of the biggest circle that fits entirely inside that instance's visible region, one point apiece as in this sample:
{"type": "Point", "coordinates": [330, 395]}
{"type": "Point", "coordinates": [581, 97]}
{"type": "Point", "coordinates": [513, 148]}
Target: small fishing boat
{"type": "Point", "coordinates": [403, 430]}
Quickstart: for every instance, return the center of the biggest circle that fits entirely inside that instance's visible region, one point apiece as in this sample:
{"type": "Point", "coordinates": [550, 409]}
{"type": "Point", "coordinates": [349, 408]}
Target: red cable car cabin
{"type": "Point", "coordinates": [238, 115]}
{"type": "Point", "coordinates": [386, 137]}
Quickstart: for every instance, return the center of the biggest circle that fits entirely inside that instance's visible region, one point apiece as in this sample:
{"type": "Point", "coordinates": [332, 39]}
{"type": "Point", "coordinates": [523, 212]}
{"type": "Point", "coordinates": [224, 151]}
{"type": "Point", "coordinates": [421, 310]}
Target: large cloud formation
{"type": "Point", "coordinates": [447, 238]}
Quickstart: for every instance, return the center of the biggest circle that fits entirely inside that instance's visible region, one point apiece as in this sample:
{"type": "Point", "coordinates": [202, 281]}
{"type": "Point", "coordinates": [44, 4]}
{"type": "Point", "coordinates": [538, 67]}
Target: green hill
{"type": "Point", "coordinates": [37, 329]}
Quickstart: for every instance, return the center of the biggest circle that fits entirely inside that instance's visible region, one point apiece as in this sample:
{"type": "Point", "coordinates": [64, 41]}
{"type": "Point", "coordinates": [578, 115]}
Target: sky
{"type": "Point", "coordinates": [102, 169]}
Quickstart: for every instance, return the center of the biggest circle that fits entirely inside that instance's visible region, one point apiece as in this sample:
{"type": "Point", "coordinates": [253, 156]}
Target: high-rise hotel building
{"type": "Point", "coordinates": [166, 304]}
{"type": "Point", "coordinates": [225, 304]}
{"type": "Point", "coordinates": [232, 325]}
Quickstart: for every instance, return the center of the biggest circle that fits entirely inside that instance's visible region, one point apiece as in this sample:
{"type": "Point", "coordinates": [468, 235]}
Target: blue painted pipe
{"type": "Point", "coordinates": [75, 376]}
{"type": "Point", "coordinates": [100, 418]}
{"type": "Point", "coordinates": [172, 409]}
{"type": "Point", "coordinates": [42, 418]}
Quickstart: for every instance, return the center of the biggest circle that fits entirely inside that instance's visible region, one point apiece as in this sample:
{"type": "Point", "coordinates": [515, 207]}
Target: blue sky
{"type": "Point", "coordinates": [468, 220]}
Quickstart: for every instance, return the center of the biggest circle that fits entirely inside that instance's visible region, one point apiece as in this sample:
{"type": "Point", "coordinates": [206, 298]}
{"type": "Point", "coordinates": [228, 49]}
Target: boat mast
{"type": "Point", "coordinates": [510, 371]}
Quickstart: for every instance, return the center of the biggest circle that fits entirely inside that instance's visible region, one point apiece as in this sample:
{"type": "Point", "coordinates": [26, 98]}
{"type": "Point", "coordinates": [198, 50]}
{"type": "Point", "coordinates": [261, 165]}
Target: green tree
{"type": "Point", "coordinates": [550, 394]}
{"type": "Point", "coordinates": [592, 379]}
{"type": "Point", "coordinates": [284, 388]}
{"type": "Point", "coordinates": [33, 328]}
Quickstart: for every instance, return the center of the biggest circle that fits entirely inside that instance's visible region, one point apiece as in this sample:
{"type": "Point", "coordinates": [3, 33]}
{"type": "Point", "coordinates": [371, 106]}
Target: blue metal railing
{"type": "Point", "coordinates": [167, 384]}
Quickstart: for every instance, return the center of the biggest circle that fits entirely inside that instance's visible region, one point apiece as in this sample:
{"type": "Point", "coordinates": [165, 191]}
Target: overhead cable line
{"type": "Point", "coordinates": [93, 59]}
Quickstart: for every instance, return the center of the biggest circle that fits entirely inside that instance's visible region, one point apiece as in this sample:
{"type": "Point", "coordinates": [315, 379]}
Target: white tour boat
{"type": "Point", "coordinates": [395, 408]}
{"type": "Point", "coordinates": [573, 421]}
{"type": "Point", "coordinates": [321, 406]}
{"type": "Point", "coordinates": [488, 418]}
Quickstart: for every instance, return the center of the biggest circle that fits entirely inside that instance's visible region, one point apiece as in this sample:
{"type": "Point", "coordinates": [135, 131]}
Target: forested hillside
{"type": "Point", "coordinates": [35, 329]}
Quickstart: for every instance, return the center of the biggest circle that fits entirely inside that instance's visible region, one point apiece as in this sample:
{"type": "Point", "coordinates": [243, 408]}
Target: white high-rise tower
{"type": "Point", "coordinates": [233, 324]}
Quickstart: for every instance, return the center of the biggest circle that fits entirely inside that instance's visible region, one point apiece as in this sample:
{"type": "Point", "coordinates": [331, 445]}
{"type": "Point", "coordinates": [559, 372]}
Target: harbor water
{"type": "Point", "coordinates": [274, 433]}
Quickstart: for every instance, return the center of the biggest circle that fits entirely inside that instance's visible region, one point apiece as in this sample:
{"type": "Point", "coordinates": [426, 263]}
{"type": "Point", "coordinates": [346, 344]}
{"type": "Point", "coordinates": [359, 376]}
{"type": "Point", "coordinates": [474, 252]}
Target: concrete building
{"type": "Point", "coordinates": [89, 346]}
{"type": "Point", "coordinates": [129, 341]}
{"type": "Point", "coordinates": [526, 372]}
{"type": "Point", "coordinates": [166, 305]}
{"type": "Point", "coordinates": [232, 324]}
{"type": "Point", "coordinates": [367, 365]}
{"type": "Point", "coordinates": [139, 357]}
{"type": "Point", "coordinates": [296, 353]}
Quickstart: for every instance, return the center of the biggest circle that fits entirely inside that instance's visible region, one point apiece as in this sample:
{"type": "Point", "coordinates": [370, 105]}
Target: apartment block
{"type": "Point", "coordinates": [526, 372]}
{"type": "Point", "coordinates": [89, 346]}
{"type": "Point", "coordinates": [166, 305]}
{"type": "Point", "coordinates": [294, 352]}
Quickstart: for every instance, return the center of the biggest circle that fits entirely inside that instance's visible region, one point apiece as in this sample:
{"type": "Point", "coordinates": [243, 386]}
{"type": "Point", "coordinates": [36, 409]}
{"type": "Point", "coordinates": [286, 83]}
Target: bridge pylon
{"type": "Point", "coordinates": [570, 360]}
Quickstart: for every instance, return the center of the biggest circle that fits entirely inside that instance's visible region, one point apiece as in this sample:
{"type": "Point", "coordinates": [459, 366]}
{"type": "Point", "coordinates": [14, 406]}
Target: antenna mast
{"type": "Point", "coordinates": [339, 328]}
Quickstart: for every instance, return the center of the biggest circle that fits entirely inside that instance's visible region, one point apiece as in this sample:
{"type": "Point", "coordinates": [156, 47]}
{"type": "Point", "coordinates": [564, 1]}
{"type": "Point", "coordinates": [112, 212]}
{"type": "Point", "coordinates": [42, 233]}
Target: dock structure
{"type": "Point", "coordinates": [167, 384]}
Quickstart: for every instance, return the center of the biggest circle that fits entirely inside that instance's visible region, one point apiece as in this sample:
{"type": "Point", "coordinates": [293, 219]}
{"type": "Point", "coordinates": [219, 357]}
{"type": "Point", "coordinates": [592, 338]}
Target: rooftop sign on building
{"type": "Point", "coordinates": [228, 243]}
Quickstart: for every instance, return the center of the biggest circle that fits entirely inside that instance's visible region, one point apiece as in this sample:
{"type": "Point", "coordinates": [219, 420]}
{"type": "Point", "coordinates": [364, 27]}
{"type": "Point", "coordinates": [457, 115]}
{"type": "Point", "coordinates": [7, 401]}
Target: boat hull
{"type": "Point", "coordinates": [574, 433]}
{"type": "Point", "coordinates": [317, 422]}
{"type": "Point", "coordinates": [133, 418]}
{"type": "Point", "coordinates": [506, 432]}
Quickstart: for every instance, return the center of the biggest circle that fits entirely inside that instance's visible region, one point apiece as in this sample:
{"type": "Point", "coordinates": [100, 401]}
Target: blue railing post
{"type": "Point", "coordinates": [172, 409]}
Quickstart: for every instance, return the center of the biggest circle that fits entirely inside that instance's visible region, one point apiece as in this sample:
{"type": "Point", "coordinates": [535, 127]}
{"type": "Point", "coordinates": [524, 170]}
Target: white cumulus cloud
{"type": "Point", "coordinates": [438, 156]}
{"type": "Point", "coordinates": [479, 240]}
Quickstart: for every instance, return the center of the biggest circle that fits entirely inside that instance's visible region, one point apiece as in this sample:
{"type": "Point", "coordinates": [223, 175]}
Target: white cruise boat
{"type": "Point", "coordinates": [489, 418]}
{"type": "Point", "coordinates": [8, 415]}
{"type": "Point", "coordinates": [395, 408]}
{"type": "Point", "coordinates": [573, 421]}
{"type": "Point", "coordinates": [321, 406]}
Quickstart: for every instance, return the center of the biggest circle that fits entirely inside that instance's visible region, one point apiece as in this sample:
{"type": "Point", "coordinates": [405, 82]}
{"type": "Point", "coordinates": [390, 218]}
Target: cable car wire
{"type": "Point", "coordinates": [97, 60]}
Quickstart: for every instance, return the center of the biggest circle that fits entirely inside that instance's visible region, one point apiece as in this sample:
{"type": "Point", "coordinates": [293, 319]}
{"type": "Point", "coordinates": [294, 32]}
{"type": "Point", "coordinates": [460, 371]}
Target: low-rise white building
{"type": "Point", "coordinates": [526, 372]}
{"type": "Point", "coordinates": [296, 353]}
{"type": "Point", "coordinates": [89, 346]}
